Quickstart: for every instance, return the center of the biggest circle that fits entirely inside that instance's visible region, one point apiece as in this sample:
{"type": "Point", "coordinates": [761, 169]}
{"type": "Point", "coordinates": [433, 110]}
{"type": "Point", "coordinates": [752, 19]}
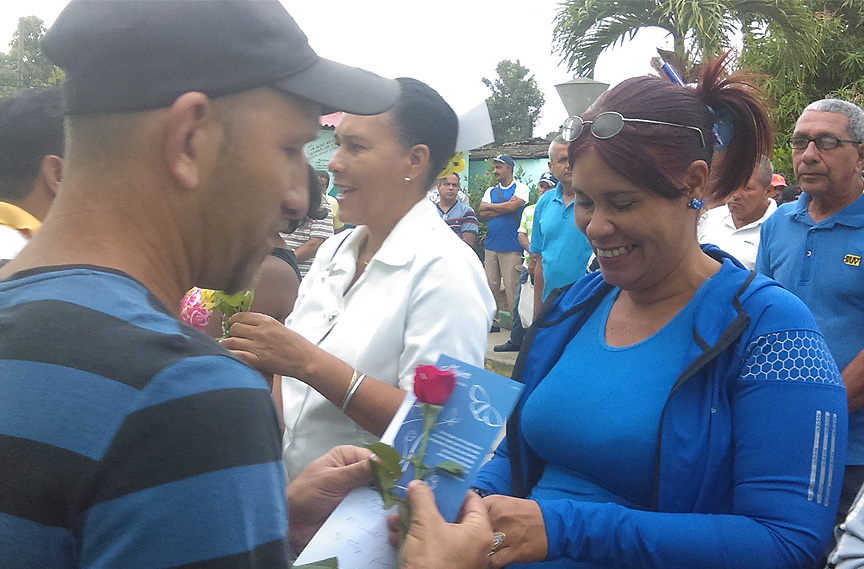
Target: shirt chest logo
{"type": "Point", "coordinates": [853, 260]}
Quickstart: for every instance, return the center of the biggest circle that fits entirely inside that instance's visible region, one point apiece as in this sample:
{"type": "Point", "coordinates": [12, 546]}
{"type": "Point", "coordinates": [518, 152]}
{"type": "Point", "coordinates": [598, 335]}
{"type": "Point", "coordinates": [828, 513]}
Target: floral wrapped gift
{"type": "Point", "coordinates": [199, 304]}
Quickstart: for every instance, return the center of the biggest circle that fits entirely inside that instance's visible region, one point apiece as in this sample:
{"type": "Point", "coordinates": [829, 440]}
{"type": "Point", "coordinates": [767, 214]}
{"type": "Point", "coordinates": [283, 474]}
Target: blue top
{"type": "Point", "coordinates": [564, 248]}
{"type": "Point", "coordinates": [821, 264]}
{"type": "Point", "coordinates": [138, 442]}
{"type": "Point", "coordinates": [615, 396]}
{"type": "Point", "coordinates": [747, 470]}
{"type": "Point", "coordinates": [501, 230]}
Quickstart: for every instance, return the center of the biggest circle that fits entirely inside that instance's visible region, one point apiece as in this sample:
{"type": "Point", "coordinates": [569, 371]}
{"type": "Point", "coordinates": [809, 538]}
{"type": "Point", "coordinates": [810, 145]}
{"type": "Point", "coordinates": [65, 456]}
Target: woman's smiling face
{"type": "Point", "coordinates": [368, 167]}
{"type": "Point", "coordinates": [640, 238]}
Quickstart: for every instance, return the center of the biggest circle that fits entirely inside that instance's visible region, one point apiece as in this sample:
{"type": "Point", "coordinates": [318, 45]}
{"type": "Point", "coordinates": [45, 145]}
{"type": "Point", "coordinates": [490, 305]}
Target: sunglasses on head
{"type": "Point", "coordinates": [608, 124]}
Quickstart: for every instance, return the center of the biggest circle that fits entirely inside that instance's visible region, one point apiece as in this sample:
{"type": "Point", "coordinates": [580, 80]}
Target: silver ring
{"type": "Point", "coordinates": [497, 542]}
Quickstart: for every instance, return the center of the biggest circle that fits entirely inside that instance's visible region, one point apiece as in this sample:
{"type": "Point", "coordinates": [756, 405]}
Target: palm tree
{"type": "Point", "coordinates": [699, 29]}
{"type": "Point", "coordinates": [839, 71]}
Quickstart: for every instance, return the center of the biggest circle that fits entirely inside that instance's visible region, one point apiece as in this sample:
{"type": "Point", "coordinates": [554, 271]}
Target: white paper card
{"type": "Point", "coordinates": [356, 532]}
{"type": "Point", "coordinates": [475, 128]}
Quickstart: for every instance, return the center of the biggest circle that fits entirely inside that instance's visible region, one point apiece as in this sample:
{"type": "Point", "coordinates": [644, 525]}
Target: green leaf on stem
{"type": "Point", "coordinates": [451, 467]}
{"type": "Point", "coordinates": [385, 481]}
{"type": "Point", "coordinates": [389, 458]}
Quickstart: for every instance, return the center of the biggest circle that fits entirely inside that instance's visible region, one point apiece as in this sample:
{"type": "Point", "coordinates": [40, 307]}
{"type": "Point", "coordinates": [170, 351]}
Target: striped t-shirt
{"type": "Point", "coordinates": [525, 226]}
{"type": "Point", "coordinates": [460, 217]}
{"type": "Point", "coordinates": [128, 439]}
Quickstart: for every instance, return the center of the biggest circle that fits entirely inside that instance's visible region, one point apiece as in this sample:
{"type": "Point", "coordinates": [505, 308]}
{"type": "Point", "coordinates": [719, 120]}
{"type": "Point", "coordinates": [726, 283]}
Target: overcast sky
{"type": "Point", "coordinates": [450, 44]}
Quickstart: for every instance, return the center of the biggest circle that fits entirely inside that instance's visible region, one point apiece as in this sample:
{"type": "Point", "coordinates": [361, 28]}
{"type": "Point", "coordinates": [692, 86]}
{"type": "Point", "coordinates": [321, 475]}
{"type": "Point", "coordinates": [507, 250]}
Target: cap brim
{"type": "Point", "coordinates": [339, 87]}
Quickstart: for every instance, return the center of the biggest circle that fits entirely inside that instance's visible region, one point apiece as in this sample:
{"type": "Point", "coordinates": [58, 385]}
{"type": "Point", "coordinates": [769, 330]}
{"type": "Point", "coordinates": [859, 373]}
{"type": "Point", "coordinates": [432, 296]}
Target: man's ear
{"type": "Point", "coordinates": [192, 137]}
{"type": "Point", "coordinates": [50, 172]}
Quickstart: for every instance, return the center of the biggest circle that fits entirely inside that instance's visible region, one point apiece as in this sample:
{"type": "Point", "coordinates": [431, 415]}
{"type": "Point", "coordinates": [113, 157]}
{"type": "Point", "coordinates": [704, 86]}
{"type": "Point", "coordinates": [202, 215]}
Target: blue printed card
{"type": "Point", "coordinates": [466, 429]}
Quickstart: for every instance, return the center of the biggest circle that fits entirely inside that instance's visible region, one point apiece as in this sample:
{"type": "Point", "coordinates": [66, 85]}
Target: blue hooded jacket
{"type": "Point", "coordinates": [751, 442]}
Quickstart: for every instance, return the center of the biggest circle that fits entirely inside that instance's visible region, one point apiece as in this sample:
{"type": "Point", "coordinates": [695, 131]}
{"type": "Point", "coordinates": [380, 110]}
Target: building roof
{"type": "Point", "coordinates": [522, 149]}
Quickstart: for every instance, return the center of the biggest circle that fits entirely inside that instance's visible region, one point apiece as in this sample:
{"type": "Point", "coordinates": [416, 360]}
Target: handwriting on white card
{"type": "Point", "coordinates": [359, 539]}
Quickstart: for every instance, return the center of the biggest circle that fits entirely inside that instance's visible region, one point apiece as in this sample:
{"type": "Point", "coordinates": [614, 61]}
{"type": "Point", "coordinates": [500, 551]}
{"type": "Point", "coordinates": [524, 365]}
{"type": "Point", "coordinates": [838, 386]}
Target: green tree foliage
{"type": "Point", "coordinates": [515, 104]}
{"type": "Point", "coordinates": [699, 29]}
{"type": "Point", "coordinates": [838, 71]}
{"type": "Point", "coordinates": [25, 66]}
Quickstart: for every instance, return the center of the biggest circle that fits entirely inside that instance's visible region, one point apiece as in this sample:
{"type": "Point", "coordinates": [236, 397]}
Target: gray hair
{"type": "Point", "coordinates": [855, 129]}
{"type": "Point", "coordinates": [555, 142]}
{"type": "Point", "coordinates": [764, 171]}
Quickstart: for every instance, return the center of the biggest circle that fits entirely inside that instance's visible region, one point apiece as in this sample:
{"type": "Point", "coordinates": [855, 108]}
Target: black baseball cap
{"type": "Point", "coordinates": [136, 55]}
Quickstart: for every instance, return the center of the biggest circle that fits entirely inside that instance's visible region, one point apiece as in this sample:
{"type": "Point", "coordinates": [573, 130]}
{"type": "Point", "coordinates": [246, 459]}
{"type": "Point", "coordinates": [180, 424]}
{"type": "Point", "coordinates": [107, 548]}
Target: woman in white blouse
{"type": "Point", "coordinates": [394, 293]}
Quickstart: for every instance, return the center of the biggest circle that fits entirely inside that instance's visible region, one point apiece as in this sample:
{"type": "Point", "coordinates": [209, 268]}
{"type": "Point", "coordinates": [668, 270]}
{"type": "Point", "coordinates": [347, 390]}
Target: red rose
{"type": "Point", "coordinates": [433, 385]}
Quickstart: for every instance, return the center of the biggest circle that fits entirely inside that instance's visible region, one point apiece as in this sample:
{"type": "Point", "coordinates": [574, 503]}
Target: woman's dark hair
{"type": "Point", "coordinates": [656, 156]}
{"type": "Point", "coordinates": [422, 116]}
{"type": "Point", "coordinates": [314, 211]}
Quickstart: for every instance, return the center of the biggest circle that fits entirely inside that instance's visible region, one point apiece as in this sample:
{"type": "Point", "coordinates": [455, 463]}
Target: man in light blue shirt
{"type": "Point", "coordinates": [813, 247]}
{"type": "Point", "coordinates": [560, 249]}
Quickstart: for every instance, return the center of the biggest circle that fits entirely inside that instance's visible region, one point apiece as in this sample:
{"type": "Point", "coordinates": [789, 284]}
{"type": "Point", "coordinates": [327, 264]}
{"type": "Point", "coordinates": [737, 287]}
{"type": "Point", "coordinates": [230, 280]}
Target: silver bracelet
{"type": "Point", "coordinates": [352, 389]}
{"type": "Point", "coordinates": [354, 375]}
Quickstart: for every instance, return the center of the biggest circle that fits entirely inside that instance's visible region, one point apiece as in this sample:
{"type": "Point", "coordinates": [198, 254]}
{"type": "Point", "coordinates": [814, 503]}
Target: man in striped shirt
{"type": "Point", "coordinates": [459, 217]}
{"type": "Point", "coordinates": [128, 439]}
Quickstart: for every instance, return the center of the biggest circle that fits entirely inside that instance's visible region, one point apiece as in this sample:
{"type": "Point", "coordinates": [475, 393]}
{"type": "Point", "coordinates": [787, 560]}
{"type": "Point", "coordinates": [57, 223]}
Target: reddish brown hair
{"type": "Point", "coordinates": [656, 157]}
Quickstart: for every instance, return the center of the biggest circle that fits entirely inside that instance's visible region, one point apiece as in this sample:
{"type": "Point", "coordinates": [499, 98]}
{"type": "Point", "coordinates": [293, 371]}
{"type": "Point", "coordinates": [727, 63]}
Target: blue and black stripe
{"type": "Point", "coordinates": [129, 439]}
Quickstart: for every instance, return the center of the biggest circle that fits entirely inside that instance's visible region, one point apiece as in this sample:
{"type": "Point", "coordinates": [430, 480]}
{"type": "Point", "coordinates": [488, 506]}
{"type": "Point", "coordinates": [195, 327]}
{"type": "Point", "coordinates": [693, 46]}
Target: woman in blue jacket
{"type": "Point", "coordinates": [679, 410]}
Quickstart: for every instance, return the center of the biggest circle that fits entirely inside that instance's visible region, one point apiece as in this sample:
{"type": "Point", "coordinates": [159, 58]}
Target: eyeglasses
{"type": "Point", "coordinates": [822, 142]}
{"type": "Point", "coordinates": [608, 124]}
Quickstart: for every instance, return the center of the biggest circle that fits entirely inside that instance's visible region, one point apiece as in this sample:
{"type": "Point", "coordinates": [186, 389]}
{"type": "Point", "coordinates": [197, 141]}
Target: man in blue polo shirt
{"type": "Point", "coordinates": [813, 247]}
{"type": "Point", "coordinates": [502, 208]}
{"type": "Point", "coordinates": [560, 249]}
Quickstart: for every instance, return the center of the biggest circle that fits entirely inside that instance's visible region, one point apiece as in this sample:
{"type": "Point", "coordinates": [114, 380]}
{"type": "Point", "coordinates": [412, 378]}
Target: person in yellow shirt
{"type": "Point", "coordinates": [31, 150]}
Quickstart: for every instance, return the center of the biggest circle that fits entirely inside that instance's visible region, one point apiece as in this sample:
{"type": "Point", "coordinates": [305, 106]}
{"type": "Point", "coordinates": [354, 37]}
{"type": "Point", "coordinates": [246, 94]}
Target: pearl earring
{"type": "Point", "coordinates": [407, 180]}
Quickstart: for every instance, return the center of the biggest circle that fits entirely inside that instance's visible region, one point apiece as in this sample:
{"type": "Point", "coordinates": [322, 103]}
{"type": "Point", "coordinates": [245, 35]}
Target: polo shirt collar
{"type": "Point", "coordinates": [558, 196]}
{"type": "Point", "coordinates": [851, 216]}
{"type": "Point", "coordinates": [438, 205]}
{"type": "Point", "coordinates": [772, 207]}
{"type": "Point", "coordinates": [17, 218]}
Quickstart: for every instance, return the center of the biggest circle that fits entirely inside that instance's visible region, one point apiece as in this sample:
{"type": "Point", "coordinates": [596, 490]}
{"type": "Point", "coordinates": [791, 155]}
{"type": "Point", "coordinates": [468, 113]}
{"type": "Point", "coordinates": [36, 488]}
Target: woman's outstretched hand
{"type": "Point", "coordinates": [522, 524]}
{"type": "Point", "coordinates": [267, 345]}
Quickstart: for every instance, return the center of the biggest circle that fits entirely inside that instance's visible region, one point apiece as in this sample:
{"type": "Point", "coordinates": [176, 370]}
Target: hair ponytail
{"type": "Point", "coordinates": [738, 97]}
